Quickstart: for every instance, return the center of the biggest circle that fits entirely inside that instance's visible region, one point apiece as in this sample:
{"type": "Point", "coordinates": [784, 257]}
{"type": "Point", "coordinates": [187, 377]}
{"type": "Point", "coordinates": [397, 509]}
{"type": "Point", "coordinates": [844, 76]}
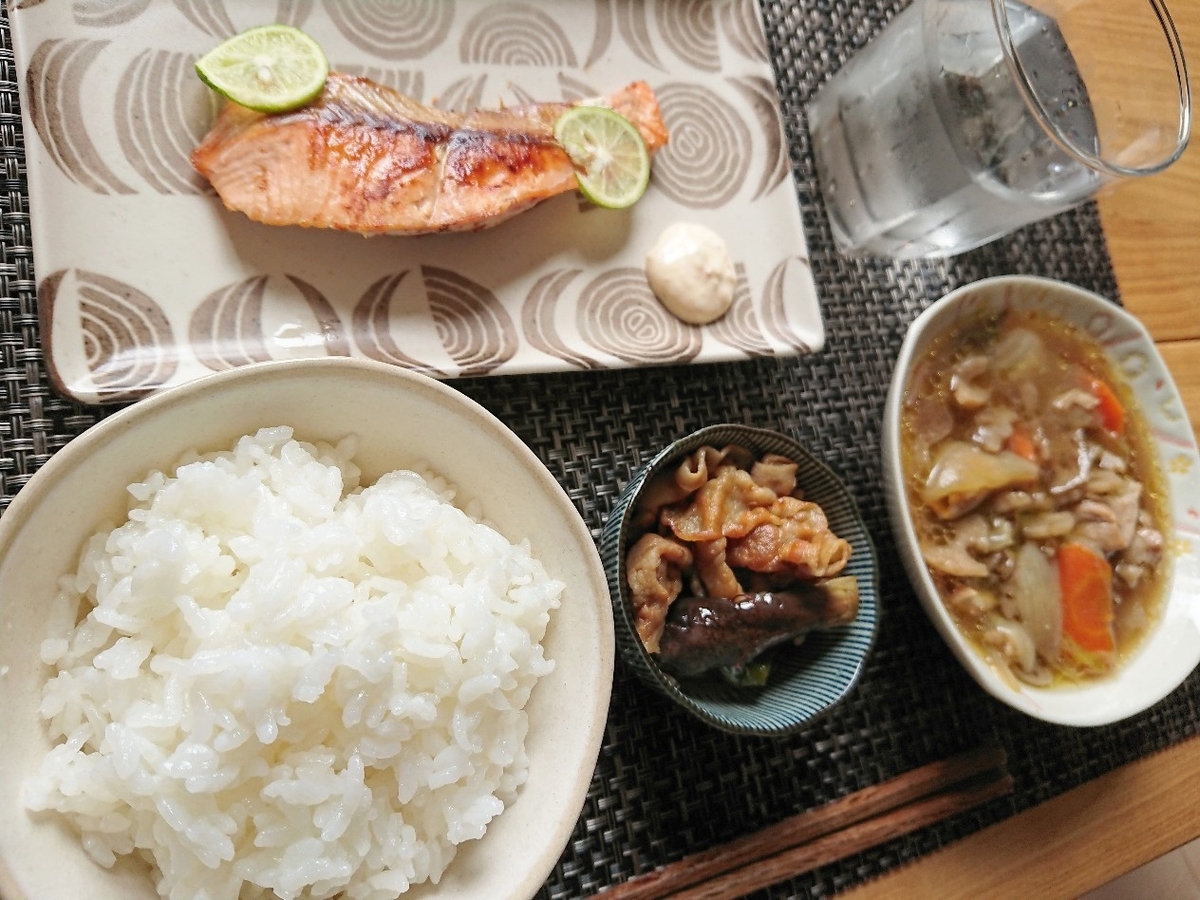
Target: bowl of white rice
{"type": "Point", "coordinates": [313, 628]}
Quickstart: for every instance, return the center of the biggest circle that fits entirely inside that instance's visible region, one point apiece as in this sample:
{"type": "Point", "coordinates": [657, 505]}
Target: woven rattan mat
{"type": "Point", "coordinates": [665, 785]}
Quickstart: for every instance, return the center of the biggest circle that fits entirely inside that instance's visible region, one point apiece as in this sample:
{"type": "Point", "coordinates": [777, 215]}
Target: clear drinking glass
{"type": "Point", "coordinates": [966, 119]}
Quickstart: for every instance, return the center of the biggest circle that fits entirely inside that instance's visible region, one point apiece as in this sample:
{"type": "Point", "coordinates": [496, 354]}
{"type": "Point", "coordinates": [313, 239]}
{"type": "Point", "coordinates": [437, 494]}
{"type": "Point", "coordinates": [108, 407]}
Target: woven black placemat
{"type": "Point", "coordinates": [665, 785]}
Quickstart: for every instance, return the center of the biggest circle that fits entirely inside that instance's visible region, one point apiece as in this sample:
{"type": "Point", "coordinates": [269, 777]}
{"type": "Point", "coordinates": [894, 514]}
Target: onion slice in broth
{"type": "Point", "coordinates": [1038, 600]}
{"type": "Point", "coordinates": [963, 475]}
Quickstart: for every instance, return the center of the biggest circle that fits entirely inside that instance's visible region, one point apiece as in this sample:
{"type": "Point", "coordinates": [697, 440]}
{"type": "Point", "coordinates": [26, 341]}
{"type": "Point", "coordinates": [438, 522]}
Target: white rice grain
{"type": "Point", "coordinates": [287, 684]}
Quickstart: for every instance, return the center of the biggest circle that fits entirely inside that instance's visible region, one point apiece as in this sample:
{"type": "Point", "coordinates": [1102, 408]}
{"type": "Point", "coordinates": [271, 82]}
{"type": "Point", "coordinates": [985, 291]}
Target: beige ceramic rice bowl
{"type": "Point", "coordinates": [401, 419]}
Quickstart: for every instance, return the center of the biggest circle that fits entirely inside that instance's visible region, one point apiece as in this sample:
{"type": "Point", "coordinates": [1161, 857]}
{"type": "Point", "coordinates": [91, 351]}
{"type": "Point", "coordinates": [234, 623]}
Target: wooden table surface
{"type": "Point", "coordinates": [1103, 829]}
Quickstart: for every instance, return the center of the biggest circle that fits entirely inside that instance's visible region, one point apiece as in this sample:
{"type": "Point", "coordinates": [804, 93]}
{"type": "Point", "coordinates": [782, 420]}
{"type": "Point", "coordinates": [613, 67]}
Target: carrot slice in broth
{"type": "Point", "coordinates": [1110, 409]}
{"type": "Point", "coordinates": [1021, 443]}
{"type": "Point", "coordinates": [1085, 578]}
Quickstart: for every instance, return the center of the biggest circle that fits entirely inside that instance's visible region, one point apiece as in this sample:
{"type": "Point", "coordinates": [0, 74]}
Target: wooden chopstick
{"type": "Point", "coordinates": [823, 835]}
{"type": "Point", "coordinates": [839, 844]}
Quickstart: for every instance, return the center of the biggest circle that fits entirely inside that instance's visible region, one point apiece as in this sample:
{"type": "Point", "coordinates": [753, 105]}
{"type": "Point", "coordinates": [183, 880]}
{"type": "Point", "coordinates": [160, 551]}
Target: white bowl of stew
{"type": "Point", "coordinates": [1043, 482]}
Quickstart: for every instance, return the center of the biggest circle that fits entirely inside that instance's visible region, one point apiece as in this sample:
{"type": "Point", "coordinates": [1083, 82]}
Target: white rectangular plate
{"type": "Point", "coordinates": [145, 280]}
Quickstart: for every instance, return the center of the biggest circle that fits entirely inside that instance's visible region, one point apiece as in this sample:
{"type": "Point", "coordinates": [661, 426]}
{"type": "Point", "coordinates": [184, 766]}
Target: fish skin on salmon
{"type": "Point", "coordinates": [363, 157]}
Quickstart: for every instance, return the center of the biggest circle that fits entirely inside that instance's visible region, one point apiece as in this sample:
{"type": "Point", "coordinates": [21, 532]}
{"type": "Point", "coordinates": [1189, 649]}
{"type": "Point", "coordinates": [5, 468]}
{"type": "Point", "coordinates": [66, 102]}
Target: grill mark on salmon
{"type": "Point", "coordinates": [363, 157]}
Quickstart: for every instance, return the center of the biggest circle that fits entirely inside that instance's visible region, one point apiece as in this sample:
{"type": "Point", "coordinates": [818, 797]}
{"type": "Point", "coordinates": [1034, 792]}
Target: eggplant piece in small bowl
{"type": "Point", "coordinates": [743, 579]}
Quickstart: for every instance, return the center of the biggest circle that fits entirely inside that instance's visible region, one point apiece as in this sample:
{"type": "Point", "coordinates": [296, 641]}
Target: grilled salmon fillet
{"type": "Point", "coordinates": [363, 157]}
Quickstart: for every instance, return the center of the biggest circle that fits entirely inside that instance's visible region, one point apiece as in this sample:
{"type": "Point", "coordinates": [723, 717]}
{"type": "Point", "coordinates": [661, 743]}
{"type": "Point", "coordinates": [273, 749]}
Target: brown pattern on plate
{"type": "Point", "coordinates": [126, 337]}
{"type": "Point", "coordinates": [707, 159]}
{"type": "Point", "coordinates": [743, 29]}
{"type": "Point", "coordinates": [689, 28]}
{"type": "Point", "coordinates": [209, 16]}
{"type": "Point", "coordinates": [537, 319]}
{"type": "Point", "coordinates": [631, 18]}
{"type": "Point", "coordinates": [372, 325]}
{"type": "Point", "coordinates": [473, 325]}
{"type": "Point", "coordinates": [105, 13]}
{"type": "Point", "coordinates": [602, 32]}
{"type": "Point", "coordinates": [332, 333]}
{"type": "Point", "coordinates": [760, 98]}
{"type": "Point", "coordinates": [213, 16]}
{"type": "Point", "coordinates": [410, 82]}
{"type": "Point", "coordinates": [56, 84]}
{"type": "Point", "coordinates": [463, 95]}
{"type": "Point", "coordinates": [619, 314]}
{"type": "Point", "coordinates": [774, 306]}
{"type": "Point", "coordinates": [573, 88]}
{"type": "Point", "coordinates": [516, 34]}
{"type": "Point", "coordinates": [162, 112]}
{"type": "Point", "coordinates": [293, 12]}
{"type": "Point", "coordinates": [226, 330]}
{"type": "Point", "coordinates": [393, 31]}
{"type": "Point", "coordinates": [739, 327]}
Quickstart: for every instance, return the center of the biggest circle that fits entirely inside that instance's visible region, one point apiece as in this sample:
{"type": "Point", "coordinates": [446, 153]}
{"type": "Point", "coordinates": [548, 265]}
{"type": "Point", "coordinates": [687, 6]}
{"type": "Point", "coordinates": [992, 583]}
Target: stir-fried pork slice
{"type": "Point", "coordinates": [730, 504]}
{"type": "Point", "coordinates": [713, 568]}
{"type": "Point", "coordinates": [1008, 502]}
{"type": "Point", "coordinates": [654, 571]}
{"type": "Point", "coordinates": [970, 602]}
{"type": "Point", "coordinates": [1104, 481]}
{"type": "Point", "coordinates": [1097, 524]}
{"type": "Point", "coordinates": [775, 472]}
{"type": "Point", "coordinates": [1147, 544]}
{"type": "Point", "coordinates": [1075, 398]}
{"type": "Point", "coordinates": [953, 559]}
{"type": "Point", "coordinates": [1111, 462]}
{"type": "Point", "coordinates": [1072, 462]}
{"type": "Point", "coordinates": [964, 383]}
{"type": "Point", "coordinates": [797, 539]}
{"type": "Point", "coordinates": [1013, 642]}
{"type": "Point", "coordinates": [993, 427]}
{"type": "Point", "coordinates": [1057, 523]}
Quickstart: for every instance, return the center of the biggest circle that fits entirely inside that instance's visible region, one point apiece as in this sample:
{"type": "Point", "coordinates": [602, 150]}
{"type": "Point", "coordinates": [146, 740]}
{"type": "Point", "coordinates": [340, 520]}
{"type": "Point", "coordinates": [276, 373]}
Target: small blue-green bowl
{"type": "Point", "coordinates": [806, 680]}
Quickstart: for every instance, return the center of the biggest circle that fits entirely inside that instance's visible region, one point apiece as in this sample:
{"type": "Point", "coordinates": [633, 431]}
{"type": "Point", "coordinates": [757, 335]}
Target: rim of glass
{"type": "Point", "coordinates": [1092, 160]}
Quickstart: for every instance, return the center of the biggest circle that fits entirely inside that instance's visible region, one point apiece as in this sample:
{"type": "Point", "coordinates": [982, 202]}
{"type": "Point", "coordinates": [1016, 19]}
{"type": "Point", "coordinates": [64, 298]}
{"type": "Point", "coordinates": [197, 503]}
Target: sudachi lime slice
{"type": "Point", "coordinates": [271, 68]}
{"type": "Point", "coordinates": [611, 161]}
